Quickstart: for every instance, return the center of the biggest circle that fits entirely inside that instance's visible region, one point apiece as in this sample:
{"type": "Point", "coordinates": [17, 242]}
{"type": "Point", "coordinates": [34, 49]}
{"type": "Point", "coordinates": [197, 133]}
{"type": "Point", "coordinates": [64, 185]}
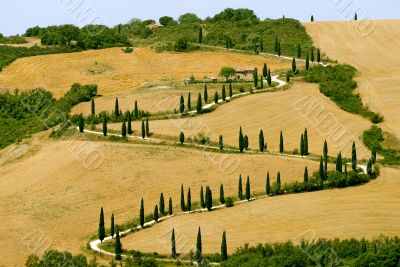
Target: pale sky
{"type": "Point", "coordinates": [18, 15]}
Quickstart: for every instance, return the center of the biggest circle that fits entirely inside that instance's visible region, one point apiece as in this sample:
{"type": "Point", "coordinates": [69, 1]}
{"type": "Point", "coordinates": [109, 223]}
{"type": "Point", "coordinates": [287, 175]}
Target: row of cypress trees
{"type": "Point", "coordinates": [126, 128]}
{"type": "Point", "coordinates": [114, 229]}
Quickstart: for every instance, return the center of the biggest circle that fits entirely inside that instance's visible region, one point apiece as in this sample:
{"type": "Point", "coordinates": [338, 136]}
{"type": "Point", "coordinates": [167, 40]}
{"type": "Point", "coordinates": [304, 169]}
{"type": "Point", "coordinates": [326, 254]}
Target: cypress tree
{"type": "Point", "coordinates": [155, 213]}
{"type": "Point", "coordinates": [261, 141]}
{"type": "Point", "coordinates": [143, 130]}
{"type": "Point", "coordinates": [255, 78]}
{"type": "Point", "coordinates": [302, 145]}
{"type": "Point", "coordinates": [136, 110]}
{"type": "Point", "coordinates": [321, 170]}
{"type": "Point", "coordinates": [307, 62]}
{"type": "Point", "coordinates": [278, 183]}
{"type": "Point", "coordinates": [199, 248]}
{"type": "Point", "coordinates": [268, 185]}
{"type": "Point", "coordinates": [183, 207]}
{"type": "Point", "coordinates": [312, 18]}
{"type": "Point", "coordinates": [279, 48]}
{"type": "Point", "coordinates": [240, 188]}
{"type": "Point", "coordinates": [81, 123]}
{"type": "Point", "coordinates": [181, 138]}
{"type": "Point", "coordinates": [265, 70]}
{"type": "Point", "coordinates": [294, 67]}
{"type": "Point", "coordinates": [246, 142]}
{"type": "Point", "coordinates": [105, 126]}
{"type": "Point", "coordinates": [189, 201]}
{"type": "Point", "coordinates": [288, 77]}
{"type": "Point", "coordinates": [200, 35]}
{"type": "Point", "coordinates": [216, 98]}
{"type": "Point", "coordinates": [170, 209]}
{"type": "Point", "coordinates": [118, 247]}
{"type": "Point", "coordinates": [305, 174]}
{"type": "Point", "coordinates": [189, 102]}
{"type": "Point", "coordinates": [221, 142]}
{"type": "Point", "coordinates": [305, 142]}
{"type": "Point", "coordinates": [345, 169]}
{"type": "Point", "coordinates": [339, 162]}
{"type": "Point", "coordinates": [199, 104]}
{"type": "Point", "coordinates": [208, 198]}
{"type": "Point", "coordinates": [355, 16]}
{"type": "Point", "coordinates": [298, 51]}
{"type": "Point", "coordinates": [248, 193]}
{"type": "Point", "coordinates": [147, 127]}
{"type": "Point", "coordinates": [93, 108]}
{"type": "Point", "coordinates": [224, 251]}
{"type": "Point", "coordinates": [373, 155]}
{"type": "Point", "coordinates": [326, 155]}
{"type": "Point", "coordinates": [141, 216]}
{"type": "Point", "coordinates": [319, 55]}
{"type": "Point", "coordinates": [129, 124]}
{"type": "Point", "coordinates": [261, 82]}
{"type": "Point", "coordinates": [116, 110]}
{"type": "Point", "coordinates": [182, 105]}
{"type": "Point", "coordinates": [281, 146]}
{"type": "Point", "coordinates": [354, 157]}
{"type": "Point", "coordinates": [102, 229]}
{"type": "Point", "coordinates": [312, 55]}
{"type": "Point", "coordinates": [221, 194]}
{"type": "Point", "coordinates": [269, 79]}
{"type": "Point", "coordinates": [223, 93]}
{"type": "Point", "coordinates": [173, 244]}
{"type": "Point", "coordinates": [230, 90]}
{"type": "Point", "coordinates": [205, 94]}
{"type": "Point", "coordinates": [112, 227]}
{"type": "Point", "coordinates": [241, 140]}
{"type": "Point", "coordinates": [369, 167]}
{"type": "Point", "coordinates": [123, 129]}
{"type": "Point", "coordinates": [202, 201]}
{"type": "Point", "coordinates": [162, 204]}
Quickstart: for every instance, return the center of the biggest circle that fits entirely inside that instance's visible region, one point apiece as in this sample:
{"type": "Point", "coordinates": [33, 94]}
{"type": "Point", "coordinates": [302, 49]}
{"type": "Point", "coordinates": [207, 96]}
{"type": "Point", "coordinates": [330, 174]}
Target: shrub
{"type": "Point", "coordinates": [229, 202]}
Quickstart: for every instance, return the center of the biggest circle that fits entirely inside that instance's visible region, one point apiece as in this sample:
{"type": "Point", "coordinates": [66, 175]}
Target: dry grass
{"type": "Point", "coordinates": [45, 189]}
{"type": "Point", "coordinates": [31, 41]}
{"type": "Point", "coordinates": [302, 106]}
{"type": "Point", "coordinates": [57, 72]}
{"type": "Point", "coordinates": [371, 47]}
{"type": "Point", "coordinates": [364, 211]}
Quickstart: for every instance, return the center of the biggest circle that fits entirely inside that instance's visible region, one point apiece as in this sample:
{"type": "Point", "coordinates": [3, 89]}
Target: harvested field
{"type": "Point", "coordinates": [365, 211]}
{"type": "Point", "coordinates": [127, 71]}
{"type": "Point", "coordinates": [371, 47]}
{"type": "Point", "coordinates": [47, 193]}
{"type": "Point", "coordinates": [302, 106]}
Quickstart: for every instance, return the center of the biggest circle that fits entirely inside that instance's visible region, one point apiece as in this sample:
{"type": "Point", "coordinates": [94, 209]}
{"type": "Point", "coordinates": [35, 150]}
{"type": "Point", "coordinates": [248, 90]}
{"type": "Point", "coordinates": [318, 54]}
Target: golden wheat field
{"type": "Point", "coordinates": [364, 211]}
{"type": "Point", "coordinates": [114, 71]}
{"type": "Point", "coordinates": [371, 47]}
{"type": "Point", "coordinates": [291, 111]}
{"type": "Point", "coordinates": [48, 192]}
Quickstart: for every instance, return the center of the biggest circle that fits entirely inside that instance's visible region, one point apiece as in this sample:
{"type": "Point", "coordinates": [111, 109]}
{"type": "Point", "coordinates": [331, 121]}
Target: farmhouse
{"type": "Point", "coordinates": [245, 73]}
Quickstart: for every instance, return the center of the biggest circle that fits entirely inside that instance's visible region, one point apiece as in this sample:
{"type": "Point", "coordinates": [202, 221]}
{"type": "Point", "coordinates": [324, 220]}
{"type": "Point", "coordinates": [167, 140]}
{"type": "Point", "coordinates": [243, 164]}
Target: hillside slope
{"type": "Point", "coordinates": [374, 51]}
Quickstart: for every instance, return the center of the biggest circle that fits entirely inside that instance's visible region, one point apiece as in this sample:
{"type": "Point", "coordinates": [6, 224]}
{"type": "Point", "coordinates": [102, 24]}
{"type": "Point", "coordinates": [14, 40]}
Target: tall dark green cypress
{"type": "Point", "coordinates": [189, 102]}
{"type": "Point", "coordinates": [199, 106]}
{"type": "Point", "coordinates": [230, 90]}
{"type": "Point", "coordinates": [240, 188]}
{"type": "Point", "coordinates": [224, 250]}
{"type": "Point", "coordinates": [147, 127]}
{"type": "Point", "coordinates": [312, 55]}
{"type": "Point", "coordinates": [93, 107]}
{"type": "Point", "coordinates": [302, 145]}
{"type": "Point", "coordinates": [136, 110]}
{"type": "Point", "coordinates": [200, 35]}
{"type": "Point", "coordinates": [170, 208]}
{"type": "Point", "coordinates": [143, 130]}
{"type": "Point", "coordinates": [208, 198]}
{"type": "Point", "coordinates": [182, 138]}
{"type": "Point", "coordinates": [102, 229]}
{"type": "Point", "coordinates": [241, 140]}
{"type": "Point", "coordinates": [355, 16]}
{"type": "Point", "coordinates": [202, 200]}
{"type": "Point", "coordinates": [162, 204]}
{"type": "Point", "coordinates": [182, 105]}
{"type": "Point", "coordinates": [255, 77]}
{"type": "Point", "coordinates": [369, 167]}
{"type": "Point", "coordinates": [321, 170]}
{"type": "Point", "coordinates": [265, 70]}
{"type": "Point", "coordinates": [305, 142]}
{"type": "Point", "coordinates": [173, 244]}
{"type": "Point", "coordinates": [261, 141]}
{"type": "Point", "coordinates": [312, 18]}
{"type": "Point", "coordinates": [81, 123]}
{"type": "Point", "coordinates": [155, 214]}
{"type": "Point", "coordinates": [339, 163]}
{"type": "Point", "coordinates": [269, 78]}
{"type": "Point", "coordinates": [305, 174]}
{"type": "Point", "coordinates": [189, 201]}
{"type": "Point", "coordinates": [268, 185]}
{"type": "Point", "coordinates": [278, 183]}
{"type": "Point", "coordinates": [298, 51]}
{"type": "Point", "coordinates": [123, 129]}
{"type": "Point", "coordinates": [223, 93]}
{"type": "Point", "coordinates": [221, 142]}
{"type": "Point", "coordinates": [129, 124]}
{"type": "Point", "coordinates": [319, 55]}
{"type": "Point", "coordinates": [205, 93]}
{"type": "Point", "coordinates": [112, 227]}
{"type": "Point", "coordinates": [326, 155]}
{"type": "Point", "coordinates": [183, 207]}
{"type": "Point", "coordinates": [118, 246]}
{"type": "Point", "coordinates": [246, 142]}
{"type": "Point", "coordinates": [354, 157]}
{"type": "Point", "coordinates": [279, 48]}
{"type": "Point", "coordinates": [281, 145]}
{"type": "Point", "coordinates": [141, 216]}
{"type": "Point", "coordinates": [373, 155]}
{"type": "Point", "coordinates": [221, 194]}
{"type": "Point", "coordinates": [294, 67]}
{"type": "Point", "coordinates": [199, 248]}
{"type": "Point", "coordinates": [216, 98]}
{"type": "Point", "coordinates": [261, 82]}
{"type": "Point", "coordinates": [116, 109]}
{"type": "Point", "coordinates": [105, 126]}
{"type": "Point", "coordinates": [248, 191]}
{"type": "Point", "coordinates": [307, 61]}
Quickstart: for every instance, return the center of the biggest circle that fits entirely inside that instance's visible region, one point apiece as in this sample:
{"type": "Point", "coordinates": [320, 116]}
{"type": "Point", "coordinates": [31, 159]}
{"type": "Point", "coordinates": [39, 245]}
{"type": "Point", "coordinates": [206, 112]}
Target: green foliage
{"type": "Point", "coordinates": [155, 213]}
{"type": "Point", "coordinates": [268, 185]}
{"type": "Point", "coordinates": [224, 252]}
{"type": "Point", "coordinates": [240, 188]}
{"type": "Point", "coordinates": [167, 21]}
{"type": "Point", "coordinates": [141, 215]}
{"type": "Point", "coordinates": [199, 247]}
{"type": "Point", "coordinates": [373, 139]}
{"type": "Point", "coordinates": [241, 141]}
{"type": "Point", "coordinates": [305, 175]}
{"type": "Point", "coordinates": [173, 244]}
{"type": "Point", "coordinates": [281, 144]}
{"type": "Point", "coordinates": [261, 141]}
{"type": "Point", "coordinates": [182, 105]}
{"type": "Point", "coordinates": [183, 205]}
{"type": "Point", "coordinates": [248, 190]}
{"type": "Point", "coordinates": [123, 129]}
{"type": "Point", "coordinates": [170, 208]}
{"type": "Point", "coordinates": [199, 104]}
{"type": "Point", "coordinates": [221, 142]}
{"type": "Point", "coordinates": [12, 39]}
{"type": "Point", "coordinates": [162, 204]}
{"type": "Point", "coordinates": [112, 225]}
{"type": "Point", "coordinates": [227, 72]}
{"type": "Point", "coordinates": [189, 201]}
{"type": "Point", "coordinates": [181, 138]}
{"type": "Point", "coordinates": [221, 194]}
{"type": "Point", "coordinates": [102, 229]}
{"type": "Point", "coordinates": [202, 201]}
{"type": "Point", "coordinates": [118, 246]}
{"type": "Point", "coordinates": [337, 83]}
{"type": "Point", "coordinates": [209, 201]}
